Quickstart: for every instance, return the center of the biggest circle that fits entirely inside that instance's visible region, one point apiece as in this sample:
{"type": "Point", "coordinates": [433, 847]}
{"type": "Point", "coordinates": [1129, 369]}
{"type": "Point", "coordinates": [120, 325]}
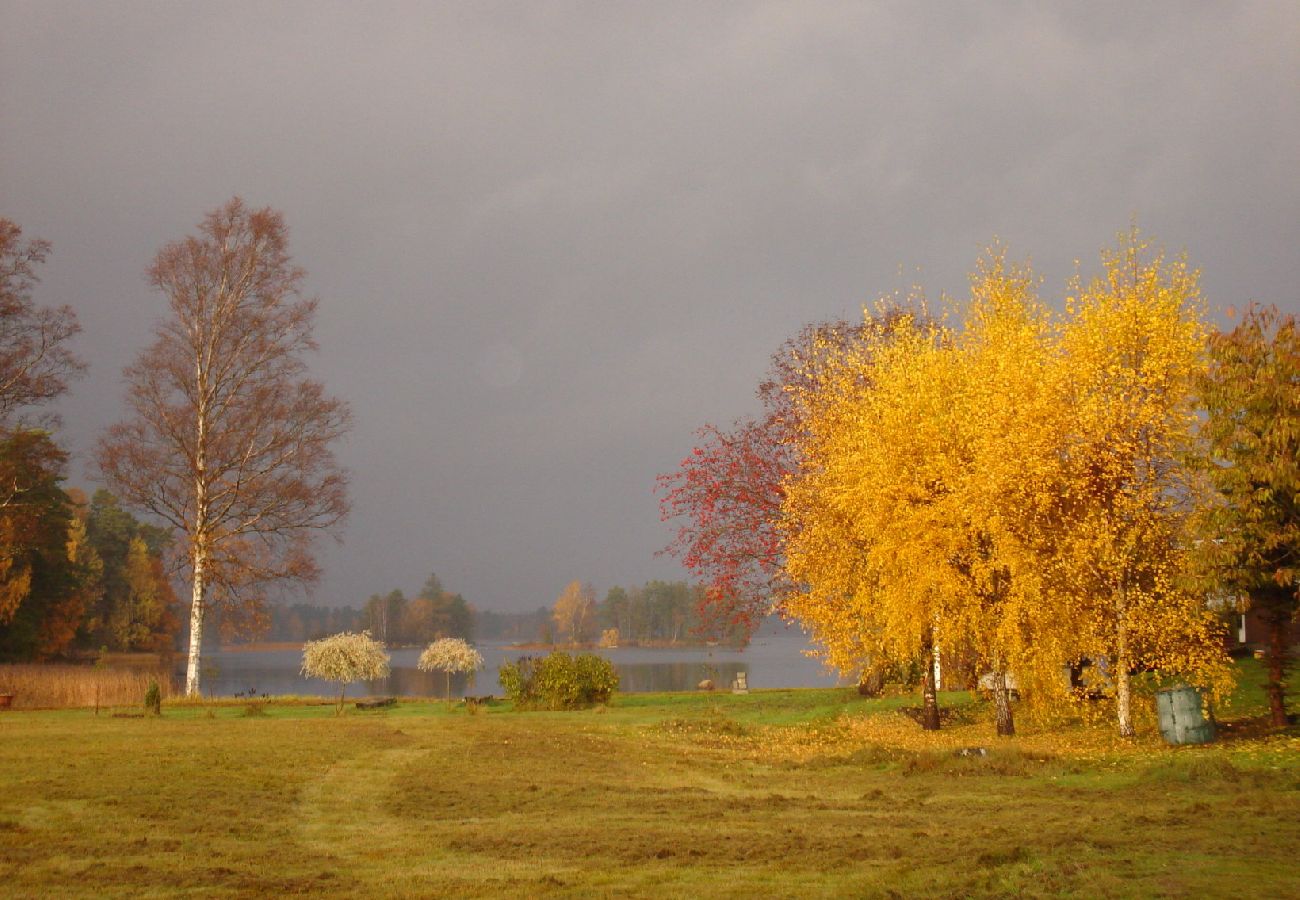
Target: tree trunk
{"type": "Point", "coordinates": [870, 682]}
{"type": "Point", "coordinates": [1278, 655]}
{"type": "Point", "coordinates": [1002, 703]}
{"type": "Point", "coordinates": [449, 688]}
{"type": "Point", "coordinates": [200, 534]}
{"type": "Point", "coordinates": [1123, 684]}
{"type": "Point", "coordinates": [192, 687]}
{"type": "Point", "coordinates": [929, 691]}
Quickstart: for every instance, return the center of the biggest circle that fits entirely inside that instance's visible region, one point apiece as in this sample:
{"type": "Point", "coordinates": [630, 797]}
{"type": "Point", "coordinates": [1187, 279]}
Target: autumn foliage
{"type": "Point", "coordinates": [1251, 395]}
{"type": "Point", "coordinates": [1013, 485]}
{"type": "Point", "coordinates": [228, 440]}
{"type": "Point", "coordinates": [726, 496]}
{"type": "Point", "coordinates": [727, 499]}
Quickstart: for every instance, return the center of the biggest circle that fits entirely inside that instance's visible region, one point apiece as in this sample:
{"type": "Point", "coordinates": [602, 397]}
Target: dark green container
{"type": "Point", "coordinates": [1182, 719]}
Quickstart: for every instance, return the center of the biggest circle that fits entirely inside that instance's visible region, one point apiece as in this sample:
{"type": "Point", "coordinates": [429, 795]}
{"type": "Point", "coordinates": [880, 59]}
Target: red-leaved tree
{"type": "Point", "coordinates": [726, 495]}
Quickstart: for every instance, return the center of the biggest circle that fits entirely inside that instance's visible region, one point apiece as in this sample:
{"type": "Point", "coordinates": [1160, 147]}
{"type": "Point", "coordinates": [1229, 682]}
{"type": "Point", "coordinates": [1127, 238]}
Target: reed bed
{"type": "Point", "coordinates": [61, 686]}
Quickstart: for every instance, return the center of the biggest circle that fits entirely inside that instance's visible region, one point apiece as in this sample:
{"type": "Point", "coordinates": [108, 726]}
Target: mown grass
{"type": "Point", "coordinates": [775, 793]}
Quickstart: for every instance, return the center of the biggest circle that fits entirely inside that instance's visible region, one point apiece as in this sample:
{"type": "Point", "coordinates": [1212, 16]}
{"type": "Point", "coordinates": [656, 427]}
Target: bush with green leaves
{"type": "Point", "coordinates": [153, 699]}
{"type": "Point", "coordinates": [343, 659]}
{"type": "Point", "coordinates": [559, 681]}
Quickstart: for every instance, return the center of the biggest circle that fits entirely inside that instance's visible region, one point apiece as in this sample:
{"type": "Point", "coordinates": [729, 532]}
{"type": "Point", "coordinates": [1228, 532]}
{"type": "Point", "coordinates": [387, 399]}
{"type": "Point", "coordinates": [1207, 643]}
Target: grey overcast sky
{"type": "Point", "coordinates": [551, 239]}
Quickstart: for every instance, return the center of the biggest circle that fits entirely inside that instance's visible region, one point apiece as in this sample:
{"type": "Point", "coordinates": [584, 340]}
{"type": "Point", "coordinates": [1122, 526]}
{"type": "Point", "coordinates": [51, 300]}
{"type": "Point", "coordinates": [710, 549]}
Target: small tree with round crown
{"type": "Point", "coordinates": [450, 655]}
{"type": "Point", "coordinates": [345, 658]}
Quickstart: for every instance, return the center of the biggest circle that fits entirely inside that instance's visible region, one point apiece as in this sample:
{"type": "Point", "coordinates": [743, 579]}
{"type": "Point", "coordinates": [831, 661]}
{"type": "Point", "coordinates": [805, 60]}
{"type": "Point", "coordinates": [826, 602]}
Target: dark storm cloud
{"type": "Point", "coordinates": [552, 239]}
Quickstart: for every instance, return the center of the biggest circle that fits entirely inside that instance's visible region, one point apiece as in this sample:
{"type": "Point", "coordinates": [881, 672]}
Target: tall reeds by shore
{"type": "Point", "coordinates": [60, 686]}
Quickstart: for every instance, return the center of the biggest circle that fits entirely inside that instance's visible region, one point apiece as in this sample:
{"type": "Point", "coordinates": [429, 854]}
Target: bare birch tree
{"type": "Point", "coordinates": [228, 441]}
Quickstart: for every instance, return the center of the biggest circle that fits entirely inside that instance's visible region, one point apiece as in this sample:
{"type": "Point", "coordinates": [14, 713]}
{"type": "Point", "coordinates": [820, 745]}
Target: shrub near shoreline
{"type": "Point", "coordinates": [559, 681]}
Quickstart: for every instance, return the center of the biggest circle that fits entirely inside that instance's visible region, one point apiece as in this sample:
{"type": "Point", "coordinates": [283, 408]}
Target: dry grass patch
{"type": "Point", "coordinates": [69, 686]}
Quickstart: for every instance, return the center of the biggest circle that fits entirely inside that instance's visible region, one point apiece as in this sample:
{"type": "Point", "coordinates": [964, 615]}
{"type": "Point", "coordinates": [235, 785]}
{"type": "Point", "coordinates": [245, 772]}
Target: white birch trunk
{"type": "Point", "coordinates": [199, 550]}
{"type": "Point", "coordinates": [929, 687]}
{"type": "Point", "coordinates": [192, 687]}
{"type": "Point", "coordinates": [1123, 688]}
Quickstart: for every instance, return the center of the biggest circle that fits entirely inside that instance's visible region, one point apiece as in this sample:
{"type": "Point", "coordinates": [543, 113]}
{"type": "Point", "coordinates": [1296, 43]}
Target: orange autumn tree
{"type": "Point", "coordinates": [861, 517]}
{"type": "Point", "coordinates": [1001, 465]}
{"type": "Point", "coordinates": [921, 512]}
{"type": "Point", "coordinates": [1015, 486]}
{"type": "Point", "coordinates": [575, 611]}
{"type": "Point", "coordinates": [1134, 343]}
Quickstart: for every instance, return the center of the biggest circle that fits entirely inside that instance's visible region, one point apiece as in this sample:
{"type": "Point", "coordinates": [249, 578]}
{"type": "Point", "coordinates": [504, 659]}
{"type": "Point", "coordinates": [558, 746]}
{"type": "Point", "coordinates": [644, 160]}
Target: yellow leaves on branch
{"type": "Point", "coordinates": [1016, 482]}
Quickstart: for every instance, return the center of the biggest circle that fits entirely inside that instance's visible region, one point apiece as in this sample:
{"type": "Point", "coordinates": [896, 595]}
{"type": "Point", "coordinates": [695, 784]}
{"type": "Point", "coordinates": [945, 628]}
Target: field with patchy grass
{"type": "Point", "coordinates": [777, 793]}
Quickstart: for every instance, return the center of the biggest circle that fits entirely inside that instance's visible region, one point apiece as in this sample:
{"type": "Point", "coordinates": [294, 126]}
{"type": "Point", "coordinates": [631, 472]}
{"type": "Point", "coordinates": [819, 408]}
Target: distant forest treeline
{"type": "Point", "coordinates": [393, 618]}
{"type": "Point", "coordinates": [658, 612]}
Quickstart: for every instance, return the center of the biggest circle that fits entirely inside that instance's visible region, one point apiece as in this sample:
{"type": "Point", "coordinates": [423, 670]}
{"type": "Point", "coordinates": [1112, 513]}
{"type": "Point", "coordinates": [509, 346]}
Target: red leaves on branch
{"type": "Point", "coordinates": [727, 497]}
{"type": "Point", "coordinates": [727, 494]}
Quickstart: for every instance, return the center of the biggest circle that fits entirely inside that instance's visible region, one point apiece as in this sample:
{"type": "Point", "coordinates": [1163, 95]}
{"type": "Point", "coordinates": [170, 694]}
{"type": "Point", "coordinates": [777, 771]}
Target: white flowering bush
{"type": "Point", "coordinates": [450, 655]}
{"type": "Point", "coordinates": [343, 659]}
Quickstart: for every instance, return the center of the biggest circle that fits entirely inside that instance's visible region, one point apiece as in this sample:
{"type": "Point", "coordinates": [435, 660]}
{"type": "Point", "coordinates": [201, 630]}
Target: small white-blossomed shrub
{"type": "Point", "coordinates": [343, 659]}
{"type": "Point", "coordinates": [450, 655]}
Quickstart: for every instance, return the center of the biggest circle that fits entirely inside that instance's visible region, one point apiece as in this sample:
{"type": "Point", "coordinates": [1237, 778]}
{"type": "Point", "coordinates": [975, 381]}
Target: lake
{"type": "Point", "coordinates": [770, 661]}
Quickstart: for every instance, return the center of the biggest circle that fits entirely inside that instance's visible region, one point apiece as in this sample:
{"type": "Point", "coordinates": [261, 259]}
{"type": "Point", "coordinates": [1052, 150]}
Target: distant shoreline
{"type": "Point", "coordinates": [257, 646]}
{"type": "Point", "coordinates": [268, 646]}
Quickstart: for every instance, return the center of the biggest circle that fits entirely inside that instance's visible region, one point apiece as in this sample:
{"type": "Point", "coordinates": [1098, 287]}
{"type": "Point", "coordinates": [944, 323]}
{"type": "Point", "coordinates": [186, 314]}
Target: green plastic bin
{"type": "Point", "coordinates": [1182, 717]}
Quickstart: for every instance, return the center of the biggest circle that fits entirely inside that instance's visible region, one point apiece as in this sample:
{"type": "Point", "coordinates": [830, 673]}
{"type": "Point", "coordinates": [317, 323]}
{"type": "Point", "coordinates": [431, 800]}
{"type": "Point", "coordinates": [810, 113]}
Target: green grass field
{"type": "Point", "coordinates": [777, 793]}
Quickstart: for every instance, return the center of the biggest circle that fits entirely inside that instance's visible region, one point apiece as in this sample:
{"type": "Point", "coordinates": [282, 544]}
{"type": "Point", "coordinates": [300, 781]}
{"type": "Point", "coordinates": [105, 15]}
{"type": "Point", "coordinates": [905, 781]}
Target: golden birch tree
{"type": "Point", "coordinates": [1004, 423]}
{"type": "Point", "coordinates": [931, 458]}
{"type": "Point", "coordinates": [1134, 344]}
{"type": "Point", "coordinates": [861, 517]}
{"type": "Point", "coordinates": [1017, 485]}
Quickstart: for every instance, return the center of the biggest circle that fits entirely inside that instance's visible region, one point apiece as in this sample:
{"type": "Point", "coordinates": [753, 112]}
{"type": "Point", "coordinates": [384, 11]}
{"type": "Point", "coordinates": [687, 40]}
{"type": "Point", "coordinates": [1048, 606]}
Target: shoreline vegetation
{"type": "Point", "coordinates": [585, 647]}
{"type": "Point", "coordinates": [106, 679]}
{"type": "Point", "coordinates": [799, 792]}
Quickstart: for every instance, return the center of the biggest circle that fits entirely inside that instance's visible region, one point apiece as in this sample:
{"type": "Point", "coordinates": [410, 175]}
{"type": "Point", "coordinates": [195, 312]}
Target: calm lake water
{"type": "Point", "coordinates": [772, 661]}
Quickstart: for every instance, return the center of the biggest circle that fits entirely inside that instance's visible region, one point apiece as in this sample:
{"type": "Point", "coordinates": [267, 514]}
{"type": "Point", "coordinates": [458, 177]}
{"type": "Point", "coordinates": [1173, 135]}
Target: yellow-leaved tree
{"type": "Point", "coordinates": [1134, 344]}
{"type": "Point", "coordinates": [575, 611]}
{"type": "Point", "coordinates": [862, 519]}
{"type": "Point", "coordinates": [1004, 426]}
{"type": "Point", "coordinates": [1016, 486]}
{"type": "Point", "coordinates": [924, 506]}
